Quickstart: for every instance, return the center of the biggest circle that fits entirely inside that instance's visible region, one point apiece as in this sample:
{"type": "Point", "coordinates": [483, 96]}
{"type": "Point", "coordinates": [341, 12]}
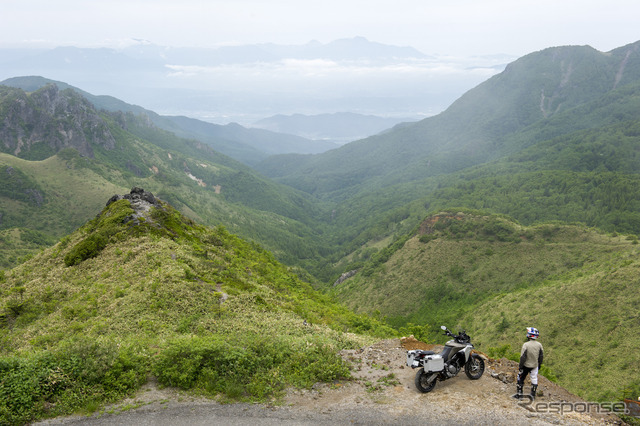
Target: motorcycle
{"type": "Point", "coordinates": [446, 364]}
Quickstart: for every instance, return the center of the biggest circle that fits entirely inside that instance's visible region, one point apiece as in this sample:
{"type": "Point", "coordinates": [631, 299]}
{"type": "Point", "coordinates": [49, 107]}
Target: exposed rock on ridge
{"type": "Point", "coordinates": [141, 202]}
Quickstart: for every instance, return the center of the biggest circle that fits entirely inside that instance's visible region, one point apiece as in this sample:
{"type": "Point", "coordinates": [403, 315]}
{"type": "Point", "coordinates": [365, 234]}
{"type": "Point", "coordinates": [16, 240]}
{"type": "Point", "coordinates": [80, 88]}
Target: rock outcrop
{"type": "Point", "coordinates": [345, 277]}
{"type": "Point", "coordinates": [141, 202]}
{"type": "Point", "coordinates": [39, 124]}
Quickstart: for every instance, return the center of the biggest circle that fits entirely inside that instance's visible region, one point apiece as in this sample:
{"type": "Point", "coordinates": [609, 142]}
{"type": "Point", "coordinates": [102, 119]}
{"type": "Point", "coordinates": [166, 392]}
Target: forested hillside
{"type": "Point", "coordinates": [553, 137]}
{"type": "Point", "coordinates": [57, 173]}
{"type": "Point", "coordinates": [482, 125]}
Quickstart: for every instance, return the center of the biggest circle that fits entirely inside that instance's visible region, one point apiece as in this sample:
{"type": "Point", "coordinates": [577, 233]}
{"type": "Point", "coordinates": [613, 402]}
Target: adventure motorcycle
{"type": "Point", "coordinates": [446, 364]}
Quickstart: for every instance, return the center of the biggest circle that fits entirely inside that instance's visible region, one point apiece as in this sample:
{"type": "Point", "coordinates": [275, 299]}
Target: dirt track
{"type": "Point", "coordinates": [383, 392]}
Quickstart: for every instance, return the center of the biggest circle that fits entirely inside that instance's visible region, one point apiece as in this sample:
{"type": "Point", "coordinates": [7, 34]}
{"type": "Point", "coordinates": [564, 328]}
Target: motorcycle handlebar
{"type": "Point", "coordinates": [462, 335]}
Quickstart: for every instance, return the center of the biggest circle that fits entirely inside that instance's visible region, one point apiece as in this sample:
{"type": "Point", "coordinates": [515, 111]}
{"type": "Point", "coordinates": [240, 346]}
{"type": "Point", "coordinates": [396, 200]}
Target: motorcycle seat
{"type": "Point", "coordinates": [428, 352]}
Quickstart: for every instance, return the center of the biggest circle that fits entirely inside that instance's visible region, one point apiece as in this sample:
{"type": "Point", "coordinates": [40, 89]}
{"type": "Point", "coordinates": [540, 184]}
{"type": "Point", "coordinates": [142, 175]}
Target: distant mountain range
{"type": "Point", "coordinates": [340, 127]}
{"type": "Point", "coordinates": [246, 83]}
{"type": "Point", "coordinates": [348, 49]}
{"type": "Point", "coordinates": [148, 57]}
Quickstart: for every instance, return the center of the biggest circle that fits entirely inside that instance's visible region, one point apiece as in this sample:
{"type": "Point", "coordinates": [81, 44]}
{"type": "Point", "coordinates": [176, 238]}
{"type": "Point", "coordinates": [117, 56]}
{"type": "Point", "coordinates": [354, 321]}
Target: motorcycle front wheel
{"type": "Point", "coordinates": [474, 368]}
{"type": "Point", "coordinates": [421, 381]}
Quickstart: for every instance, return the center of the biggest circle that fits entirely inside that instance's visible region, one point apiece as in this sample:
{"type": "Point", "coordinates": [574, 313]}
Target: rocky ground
{"type": "Point", "coordinates": [382, 392]}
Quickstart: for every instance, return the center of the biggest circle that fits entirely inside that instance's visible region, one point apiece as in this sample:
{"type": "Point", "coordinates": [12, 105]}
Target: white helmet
{"type": "Point", "coordinates": [532, 333]}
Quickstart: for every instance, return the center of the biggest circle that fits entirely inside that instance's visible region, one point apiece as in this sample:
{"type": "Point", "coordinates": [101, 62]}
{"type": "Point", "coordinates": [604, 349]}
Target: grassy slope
{"type": "Point", "coordinates": [71, 195]}
{"type": "Point", "coordinates": [227, 192]}
{"type": "Point", "coordinates": [483, 273]}
{"type": "Point", "coordinates": [588, 320]}
{"type": "Point", "coordinates": [198, 307]}
{"type": "Point", "coordinates": [64, 185]}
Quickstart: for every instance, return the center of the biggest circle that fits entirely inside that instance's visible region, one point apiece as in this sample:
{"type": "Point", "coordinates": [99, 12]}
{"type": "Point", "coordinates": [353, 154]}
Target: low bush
{"type": "Point", "coordinates": [46, 384]}
{"type": "Point", "coordinates": [99, 230]}
{"type": "Point", "coordinates": [86, 249]}
{"type": "Point", "coordinates": [253, 367]}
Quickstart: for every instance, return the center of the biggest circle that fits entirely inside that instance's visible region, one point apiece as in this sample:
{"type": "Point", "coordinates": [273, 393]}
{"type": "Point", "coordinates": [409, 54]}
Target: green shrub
{"type": "Point", "coordinates": [425, 238]}
{"type": "Point", "coordinates": [550, 375]}
{"type": "Point", "coordinates": [76, 375]}
{"type": "Point", "coordinates": [253, 367]}
{"type": "Point", "coordinates": [101, 229]}
{"type": "Point", "coordinates": [211, 363]}
{"type": "Point", "coordinates": [503, 351]}
{"type": "Point", "coordinates": [421, 332]}
{"type": "Point", "coordinates": [504, 325]}
{"type": "Point", "coordinates": [86, 249]}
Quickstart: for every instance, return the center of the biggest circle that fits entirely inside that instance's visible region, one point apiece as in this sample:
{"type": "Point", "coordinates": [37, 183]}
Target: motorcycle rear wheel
{"type": "Point", "coordinates": [421, 381]}
{"type": "Point", "coordinates": [474, 368]}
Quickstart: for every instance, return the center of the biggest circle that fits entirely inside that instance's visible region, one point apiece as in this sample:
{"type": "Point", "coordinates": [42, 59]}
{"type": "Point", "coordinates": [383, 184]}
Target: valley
{"type": "Point", "coordinates": [502, 212]}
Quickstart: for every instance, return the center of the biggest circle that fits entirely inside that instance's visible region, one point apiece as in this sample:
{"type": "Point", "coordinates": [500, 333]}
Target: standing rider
{"type": "Point", "coordinates": [530, 362]}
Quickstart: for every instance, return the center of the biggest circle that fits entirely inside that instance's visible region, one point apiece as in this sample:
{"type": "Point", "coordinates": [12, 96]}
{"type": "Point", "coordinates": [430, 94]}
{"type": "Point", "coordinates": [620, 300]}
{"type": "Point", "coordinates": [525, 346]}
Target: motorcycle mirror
{"type": "Point", "coordinates": [443, 327]}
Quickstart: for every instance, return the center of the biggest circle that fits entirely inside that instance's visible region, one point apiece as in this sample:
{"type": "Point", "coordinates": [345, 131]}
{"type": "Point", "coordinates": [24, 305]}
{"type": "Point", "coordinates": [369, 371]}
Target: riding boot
{"type": "Point", "coordinates": [534, 390]}
{"type": "Point", "coordinates": [518, 394]}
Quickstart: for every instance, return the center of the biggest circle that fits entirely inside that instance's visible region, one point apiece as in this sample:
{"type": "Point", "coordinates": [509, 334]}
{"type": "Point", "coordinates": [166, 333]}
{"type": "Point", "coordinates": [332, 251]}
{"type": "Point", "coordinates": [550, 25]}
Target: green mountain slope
{"type": "Point", "coordinates": [247, 145]}
{"type": "Point", "coordinates": [495, 277]}
{"type": "Point", "coordinates": [589, 176]}
{"type": "Point", "coordinates": [482, 152]}
{"type": "Point", "coordinates": [475, 128]}
{"type": "Point", "coordinates": [553, 137]}
{"type": "Point", "coordinates": [202, 183]}
{"type": "Point", "coordinates": [141, 289]}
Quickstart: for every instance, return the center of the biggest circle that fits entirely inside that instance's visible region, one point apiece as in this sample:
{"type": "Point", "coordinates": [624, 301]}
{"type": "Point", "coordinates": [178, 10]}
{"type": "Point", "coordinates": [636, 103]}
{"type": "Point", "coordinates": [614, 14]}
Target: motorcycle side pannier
{"type": "Point", "coordinates": [433, 363]}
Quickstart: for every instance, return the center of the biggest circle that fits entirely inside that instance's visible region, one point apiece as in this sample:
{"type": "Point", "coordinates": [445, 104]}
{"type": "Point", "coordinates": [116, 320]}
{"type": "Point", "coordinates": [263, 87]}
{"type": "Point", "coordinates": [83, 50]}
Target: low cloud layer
{"type": "Point", "coordinates": [247, 83]}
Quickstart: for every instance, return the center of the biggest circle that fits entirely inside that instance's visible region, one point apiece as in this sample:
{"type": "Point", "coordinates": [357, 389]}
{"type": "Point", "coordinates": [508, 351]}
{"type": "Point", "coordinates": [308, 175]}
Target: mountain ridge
{"type": "Point", "coordinates": [490, 112]}
{"type": "Point", "coordinates": [362, 196]}
{"type": "Point", "coordinates": [203, 183]}
{"type": "Point", "coordinates": [243, 144]}
{"type": "Point", "coordinates": [141, 289]}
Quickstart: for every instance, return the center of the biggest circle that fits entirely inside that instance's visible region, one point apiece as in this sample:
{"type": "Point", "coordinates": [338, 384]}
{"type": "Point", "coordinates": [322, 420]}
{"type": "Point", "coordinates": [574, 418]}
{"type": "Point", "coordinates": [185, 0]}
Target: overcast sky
{"type": "Point", "coordinates": [445, 27]}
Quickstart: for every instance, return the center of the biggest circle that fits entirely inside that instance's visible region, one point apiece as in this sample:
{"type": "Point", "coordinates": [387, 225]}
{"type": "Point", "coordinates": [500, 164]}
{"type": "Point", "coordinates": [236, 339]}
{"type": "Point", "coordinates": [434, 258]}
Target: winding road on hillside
{"type": "Point", "coordinates": [382, 392]}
